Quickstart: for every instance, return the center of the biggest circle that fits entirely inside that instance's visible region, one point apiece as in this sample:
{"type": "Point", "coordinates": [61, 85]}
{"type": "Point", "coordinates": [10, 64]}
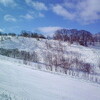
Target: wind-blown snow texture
{"type": "Point", "coordinates": [20, 83]}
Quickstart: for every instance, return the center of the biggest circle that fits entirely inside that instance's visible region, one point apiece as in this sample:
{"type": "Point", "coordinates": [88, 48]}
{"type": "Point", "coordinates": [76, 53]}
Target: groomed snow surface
{"type": "Point", "coordinates": [18, 82]}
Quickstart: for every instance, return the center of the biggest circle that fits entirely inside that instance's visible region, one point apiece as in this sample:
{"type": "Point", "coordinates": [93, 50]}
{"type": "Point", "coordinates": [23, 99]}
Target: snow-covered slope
{"type": "Point", "coordinates": [88, 54]}
{"type": "Point", "coordinates": [21, 83]}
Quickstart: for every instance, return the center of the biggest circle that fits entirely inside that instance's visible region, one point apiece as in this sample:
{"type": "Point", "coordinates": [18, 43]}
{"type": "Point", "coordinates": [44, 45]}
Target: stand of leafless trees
{"type": "Point", "coordinates": [59, 57]}
{"type": "Point", "coordinates": [23, 55]}
{"type": "Point", "coordinates": [82, 37]}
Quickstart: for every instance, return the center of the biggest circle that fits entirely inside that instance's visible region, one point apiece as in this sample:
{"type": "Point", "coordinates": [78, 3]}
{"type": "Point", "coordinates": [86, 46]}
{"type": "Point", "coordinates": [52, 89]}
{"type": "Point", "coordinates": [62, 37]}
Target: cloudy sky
{"type": "Point", "coordinates": [46, 16]}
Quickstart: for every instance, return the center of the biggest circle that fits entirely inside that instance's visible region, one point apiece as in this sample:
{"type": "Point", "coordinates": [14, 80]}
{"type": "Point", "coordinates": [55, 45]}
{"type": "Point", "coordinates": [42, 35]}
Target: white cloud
{"type": "Point", "coordinates": [37, 5]}
{"type": "Point", "coordinates": [84, 11]}
{"type": "Point", "coordinates": [32, 15]}
{"type": "Point", "coordinates": [8, 2]}
{"type": "Point", "coordinates": [89, 10]}
{"type": "Point", "coordinates": [48, 30]}
{"type": "Point", "coordinates": [27, 16]}
{"type": "Point", "coordinates": [9, 18]}
{"type": "Point", "coordinates": [60, 10]}
{"type": "Point", "coordinates": [1, 30]}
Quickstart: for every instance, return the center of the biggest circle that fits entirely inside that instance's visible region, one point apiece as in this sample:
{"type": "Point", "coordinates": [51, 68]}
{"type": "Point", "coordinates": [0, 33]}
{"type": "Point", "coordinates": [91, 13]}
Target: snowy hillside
{"type": "Point", "coordinates": [41, 47]}
{"type": "Point", "coordinates": [49, 49]}
{"type": "Point", "coordinates": [18, 82]}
